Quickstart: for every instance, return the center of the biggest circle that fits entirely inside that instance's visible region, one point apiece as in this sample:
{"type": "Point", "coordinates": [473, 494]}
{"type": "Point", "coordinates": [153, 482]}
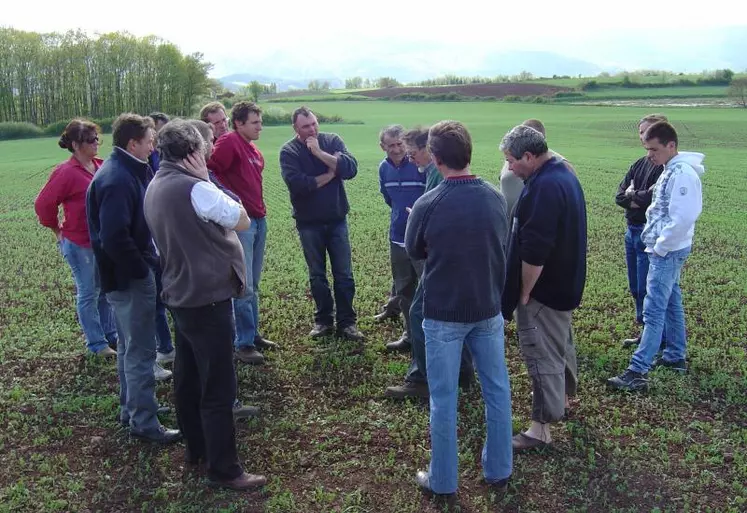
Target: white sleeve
{"type": "Point", "coordinates": [685, 205]}
{"type": "Point", "coordinates": [211, 204]}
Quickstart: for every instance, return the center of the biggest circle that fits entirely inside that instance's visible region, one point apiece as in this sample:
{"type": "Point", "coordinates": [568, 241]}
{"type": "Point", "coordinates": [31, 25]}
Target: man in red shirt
{"type": "Point", "coordinates": [238, 164]}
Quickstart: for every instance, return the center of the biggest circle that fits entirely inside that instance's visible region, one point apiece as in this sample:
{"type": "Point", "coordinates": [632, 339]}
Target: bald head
{"type": "Point", "coordinates": [536, 124]}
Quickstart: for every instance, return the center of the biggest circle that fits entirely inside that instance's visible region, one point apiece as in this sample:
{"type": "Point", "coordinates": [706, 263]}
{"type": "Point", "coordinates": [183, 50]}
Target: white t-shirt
{"type": "Point", "coordinates": [211, 204]}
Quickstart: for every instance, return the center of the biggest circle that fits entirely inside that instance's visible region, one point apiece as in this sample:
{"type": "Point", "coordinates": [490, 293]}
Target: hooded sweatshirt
{"type": "Point", "coordinates": [676, 205]}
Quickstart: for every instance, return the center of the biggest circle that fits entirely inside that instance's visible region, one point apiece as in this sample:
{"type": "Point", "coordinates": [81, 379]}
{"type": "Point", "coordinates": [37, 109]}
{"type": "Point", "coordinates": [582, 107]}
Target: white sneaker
{"type": "Point", "coordinates": [160, 373]}
{"type": "Point", "coordinates": [166, 357]}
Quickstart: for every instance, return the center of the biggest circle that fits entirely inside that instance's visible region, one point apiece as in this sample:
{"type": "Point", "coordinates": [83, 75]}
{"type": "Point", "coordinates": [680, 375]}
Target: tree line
{"type": "Point", "coordinates": [47, 78]}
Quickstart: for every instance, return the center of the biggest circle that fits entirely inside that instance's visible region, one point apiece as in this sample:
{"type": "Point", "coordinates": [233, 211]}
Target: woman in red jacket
{"type": "Point", "coordinates": [67, 186]}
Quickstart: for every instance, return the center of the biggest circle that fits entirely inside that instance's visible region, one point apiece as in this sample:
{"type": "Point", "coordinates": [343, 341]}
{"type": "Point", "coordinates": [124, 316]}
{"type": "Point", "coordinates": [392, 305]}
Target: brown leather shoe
{"type": "Point", "coordinates": [244, 482]}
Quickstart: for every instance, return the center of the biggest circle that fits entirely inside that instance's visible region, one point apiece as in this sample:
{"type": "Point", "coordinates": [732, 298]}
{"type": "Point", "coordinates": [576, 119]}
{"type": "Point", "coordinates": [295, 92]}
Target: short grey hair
{"type": "Point", "coordinates": [521, 139]}
{"type": "Point", "coordinates": [179, 138]}
{"type": "Point", "coordinates": [394, 131]}
{"type": "Point", "coordinates": [206, 131]}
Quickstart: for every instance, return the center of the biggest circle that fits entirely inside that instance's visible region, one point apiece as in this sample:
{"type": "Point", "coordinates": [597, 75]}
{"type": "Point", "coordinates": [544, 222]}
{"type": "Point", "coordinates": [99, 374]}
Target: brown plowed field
{"type": "Point", "coordinates": [497, 90]}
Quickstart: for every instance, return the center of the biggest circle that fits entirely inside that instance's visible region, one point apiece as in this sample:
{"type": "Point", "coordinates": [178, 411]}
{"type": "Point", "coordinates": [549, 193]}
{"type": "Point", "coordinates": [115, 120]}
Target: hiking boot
{"type": "Point", "coordinates": [629, 380]}
{"type": "Point", "coordinates": [409, 389]}
{"type": "Point", "coordinates": [350, 333]}
{"type": "Point", "coordinates": [322, 330]}
{"type": "Point", "coordinates": [678, 366]}
{"type": "Point", "coordinates": [250, 355]}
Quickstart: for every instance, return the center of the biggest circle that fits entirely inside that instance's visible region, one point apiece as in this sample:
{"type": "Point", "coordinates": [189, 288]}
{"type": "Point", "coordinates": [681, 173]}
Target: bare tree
{"type": "Point", "coordinates": [738, 91]}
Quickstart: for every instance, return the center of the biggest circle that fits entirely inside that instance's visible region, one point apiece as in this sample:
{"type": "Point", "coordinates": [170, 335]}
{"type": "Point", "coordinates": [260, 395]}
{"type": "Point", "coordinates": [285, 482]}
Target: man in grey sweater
{"type": "Point", "coordinates": [194, 226]}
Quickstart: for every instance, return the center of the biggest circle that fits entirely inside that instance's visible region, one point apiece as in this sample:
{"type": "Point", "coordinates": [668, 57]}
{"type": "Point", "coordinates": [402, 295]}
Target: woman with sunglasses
{"type": "Point", "coordinates": [67, 186]}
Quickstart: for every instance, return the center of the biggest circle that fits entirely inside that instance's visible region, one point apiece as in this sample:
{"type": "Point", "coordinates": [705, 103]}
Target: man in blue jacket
{"type": "Point", "coordinates": [313, 165]}
{"type": "Point", "coordinates": [126, 257]}
{"type": "Point", "coordinates": [401, 184]}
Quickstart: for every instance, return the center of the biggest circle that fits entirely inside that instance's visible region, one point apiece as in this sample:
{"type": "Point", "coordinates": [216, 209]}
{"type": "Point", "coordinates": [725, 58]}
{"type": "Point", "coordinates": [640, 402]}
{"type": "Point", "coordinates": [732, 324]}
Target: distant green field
{"type": "Point", "coordinates": [658, 92]}
{"type": "Point", "coordinates": [327, 440]}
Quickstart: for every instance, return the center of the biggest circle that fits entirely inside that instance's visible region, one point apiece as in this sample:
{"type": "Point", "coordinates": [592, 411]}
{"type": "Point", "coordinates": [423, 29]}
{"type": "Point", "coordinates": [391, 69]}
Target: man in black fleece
{"type": "Point", "coordinates": [634, 195]}
{"type": "Point", "coordinates": [313, 165]}
{"type": "Point", "coordinates": [460, 229]}
{"type": "Point", "coordinates": [546, 273]}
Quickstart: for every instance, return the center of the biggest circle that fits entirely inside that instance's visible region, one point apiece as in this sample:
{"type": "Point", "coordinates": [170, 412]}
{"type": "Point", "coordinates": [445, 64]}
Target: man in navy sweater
{"type": "Point", "coordinates": [313, 165]}
{"type": "Point", "coordinates": [401, 184]}
{"type": "Point", "coordinates": [546, 273]}
{"type": "Point", "coordinates": [126, 259]}
{"type": "Point", "coordinates": [460, 229]}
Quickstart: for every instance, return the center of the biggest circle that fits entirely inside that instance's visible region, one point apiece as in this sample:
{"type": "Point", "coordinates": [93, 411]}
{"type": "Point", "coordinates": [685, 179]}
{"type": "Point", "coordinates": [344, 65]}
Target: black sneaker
{"type": "Point", "coordinates": [399, 346]}
{"type": "Point", "coordinates": [250, 355]}
{"type": "Point", "coordinates": [678, 366]}
{"type": "Point", "coordinates": [629, 380]}
{"type": "Point", "coordinates": [631, 342]}
{"type": "Point", "coordinates": [261, 343]}
{"type": "Point", "coordinates": [244, 412]}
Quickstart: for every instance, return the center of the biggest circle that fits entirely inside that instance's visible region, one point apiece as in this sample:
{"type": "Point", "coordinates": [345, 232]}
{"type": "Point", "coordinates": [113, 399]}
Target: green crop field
{"type": "Point", "coordinates": [327, 439]}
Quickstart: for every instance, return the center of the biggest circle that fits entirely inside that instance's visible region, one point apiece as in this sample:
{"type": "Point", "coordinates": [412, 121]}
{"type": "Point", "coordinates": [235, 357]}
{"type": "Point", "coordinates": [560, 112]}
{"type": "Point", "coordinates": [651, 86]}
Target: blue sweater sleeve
{"type": "Point", "coordinates": [347, 165]}
{"type": "Point", "coordinates": [415, 231]}
{"type": "Point", "coordinates": [115, 213]}
{"type": "Point", "coordinates": [382, 182]}
{"type": "Point", "coordinates": [298, 182]}
{"type": "Point", "coordinates": [539, 228]}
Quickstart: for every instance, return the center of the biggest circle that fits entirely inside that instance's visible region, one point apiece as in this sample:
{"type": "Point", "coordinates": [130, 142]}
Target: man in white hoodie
{"type": "Point", "coordinates": [668, 234]}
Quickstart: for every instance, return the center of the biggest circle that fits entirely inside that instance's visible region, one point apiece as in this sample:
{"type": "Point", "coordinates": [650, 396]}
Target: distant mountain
{"type": "Point", "coordinates": [666, 48]}
{"type": "Point", "coordinates": [238, 80]}
{"type": "Point", "coordinates": [409, 66]}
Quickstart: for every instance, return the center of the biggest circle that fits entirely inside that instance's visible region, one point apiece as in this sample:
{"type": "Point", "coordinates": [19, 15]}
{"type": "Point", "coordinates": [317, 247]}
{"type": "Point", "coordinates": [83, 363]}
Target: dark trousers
{"type": "Point", "coordinates": [317, 241]}
{"type": "Point", "coordinates": [406, 273]}
{"type": "Point", "coordinates": [205, 386]}
{"type": "Point", "coordinates": [417, 371]}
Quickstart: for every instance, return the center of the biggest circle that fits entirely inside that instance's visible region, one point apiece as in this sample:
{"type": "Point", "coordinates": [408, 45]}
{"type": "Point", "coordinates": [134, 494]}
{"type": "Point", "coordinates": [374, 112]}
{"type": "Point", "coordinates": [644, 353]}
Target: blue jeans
{"type": "Point", "coordinates": [416, 373]}
{"type": "Point", "coordinates": [164, 343]}
{"type": "Point", "coordinates": [443, 345]}
{"type": "Point", "coordinates": [136, 353]}
{"type": "Point", "coordinates": [94, 313]}
{"type": "Point", "coordinates": [662, 306]}
{"type": "Point", "coordinates": [637, 260]}
{"type": "Point", "coordinates": [317, 241]}
{"type": "Point", "coordinates": [246, 308]}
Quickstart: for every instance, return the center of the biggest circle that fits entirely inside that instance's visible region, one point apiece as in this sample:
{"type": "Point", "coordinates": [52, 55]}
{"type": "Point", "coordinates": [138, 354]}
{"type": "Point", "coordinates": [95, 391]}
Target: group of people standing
{"type": "Point", "coordinates": [175, 218]}
{"type": "Point", "coordinates": [465, 258]}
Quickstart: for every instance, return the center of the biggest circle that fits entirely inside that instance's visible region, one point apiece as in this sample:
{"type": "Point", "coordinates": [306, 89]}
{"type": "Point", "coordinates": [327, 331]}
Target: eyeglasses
{"type": "Point", "coordinates": [92, 140]}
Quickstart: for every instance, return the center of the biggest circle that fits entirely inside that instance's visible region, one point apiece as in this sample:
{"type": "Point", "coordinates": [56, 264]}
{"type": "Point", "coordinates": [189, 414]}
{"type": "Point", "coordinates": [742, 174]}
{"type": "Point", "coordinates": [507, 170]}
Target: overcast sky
{"type": "Point", "coordinates": [243, 28]}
